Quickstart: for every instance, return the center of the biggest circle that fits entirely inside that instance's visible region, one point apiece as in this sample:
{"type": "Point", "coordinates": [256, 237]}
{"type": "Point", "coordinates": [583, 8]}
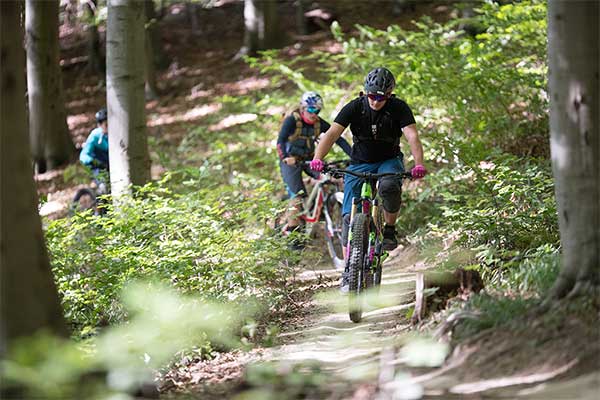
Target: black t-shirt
{"type": "Point", "coordinates": [376, 134]}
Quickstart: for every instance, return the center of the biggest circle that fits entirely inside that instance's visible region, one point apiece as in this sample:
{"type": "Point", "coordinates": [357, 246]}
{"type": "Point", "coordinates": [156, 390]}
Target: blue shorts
{"type": "Point", "coordinates": [292, 177]}
{"type": "Point", "coordinates": [352, 184]}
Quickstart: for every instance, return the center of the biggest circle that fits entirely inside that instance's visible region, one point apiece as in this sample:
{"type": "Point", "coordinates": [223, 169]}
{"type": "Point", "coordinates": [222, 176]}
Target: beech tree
{"type": "Point", "coordinates": [151, 44]}
{"type": "Point", "coordinates": [573, 32]}
{"type": "Point", "coordinates": [261, 26]}
{"type": "Point", "coordinates": [127, 141]}
{"type": "Point", "coordinates": [51, 143]}
{"type": "Point", "coordinates": [28, 295]}
{"type": "Point", "coordinates": [96, 62]}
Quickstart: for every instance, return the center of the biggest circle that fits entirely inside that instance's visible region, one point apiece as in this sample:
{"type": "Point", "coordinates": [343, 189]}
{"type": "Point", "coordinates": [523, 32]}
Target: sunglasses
{"type": "Point", "coordinates": [377, 97]}
{"type": "Point", "coordinates": [313, 110]}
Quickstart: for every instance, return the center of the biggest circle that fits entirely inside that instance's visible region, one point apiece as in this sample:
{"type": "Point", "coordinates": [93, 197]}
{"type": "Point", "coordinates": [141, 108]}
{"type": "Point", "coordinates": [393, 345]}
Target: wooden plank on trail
{"type": "Point", "coordinates": [433, 289]}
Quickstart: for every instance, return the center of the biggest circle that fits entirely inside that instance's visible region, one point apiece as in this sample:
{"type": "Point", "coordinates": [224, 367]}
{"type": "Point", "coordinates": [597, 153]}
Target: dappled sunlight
{"type": "Point", "coordinates": [352, 350]}
{"type": "Point", "coordinates": [80, 126]}
{"type": "Point", "coordinates": [244, 86]}
{"type": "Point", "coordinates": [275, 110]}
{"type": "Point", "coordinates": [484, 385]}
{"type": "Point", "coordinates": [197, 93]}
{"type": "Point", "coordinates": [399, 278]}
{"type": "Point", "coordinates": [232, 120]}
{"type": "Point", "coordinates": [191, 115]}
{"type": "Point", "coordinates": [331, 46]}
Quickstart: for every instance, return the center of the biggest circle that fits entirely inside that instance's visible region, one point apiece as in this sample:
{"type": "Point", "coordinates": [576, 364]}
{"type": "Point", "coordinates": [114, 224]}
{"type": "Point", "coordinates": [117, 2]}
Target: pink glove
{"type": "Point", "coordinates": [317, 165]}
{"type": "Point", "coordinates": [418, 171]}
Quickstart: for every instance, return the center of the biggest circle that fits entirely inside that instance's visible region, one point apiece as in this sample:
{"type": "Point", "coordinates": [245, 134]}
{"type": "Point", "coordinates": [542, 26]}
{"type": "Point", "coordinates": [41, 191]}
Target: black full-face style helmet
{"type": "Point", "coordinates": [380, 81]}
{"type": "Point", "coordinates": [101, 115]}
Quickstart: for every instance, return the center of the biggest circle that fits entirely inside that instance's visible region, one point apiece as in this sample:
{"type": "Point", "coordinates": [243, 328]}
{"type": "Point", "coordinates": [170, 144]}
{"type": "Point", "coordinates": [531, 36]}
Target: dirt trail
{"type": "Point", "coordinates": [366, 358]}
{"type": "Point", "coordinates": [353, 352]}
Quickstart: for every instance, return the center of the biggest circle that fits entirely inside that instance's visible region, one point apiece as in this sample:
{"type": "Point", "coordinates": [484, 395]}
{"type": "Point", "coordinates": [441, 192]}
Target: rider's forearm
{"type": "Point", "coordinates": [327, 140]}
{"type": "Point", "coordinates": [416, 148]}
{"type": "Point", "coordinates": [323, 148]}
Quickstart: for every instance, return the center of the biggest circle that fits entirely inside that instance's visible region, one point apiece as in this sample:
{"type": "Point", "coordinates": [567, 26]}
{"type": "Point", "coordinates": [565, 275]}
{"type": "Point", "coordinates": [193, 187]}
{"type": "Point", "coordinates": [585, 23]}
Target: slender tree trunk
{"type": "Point", "coordinates": [51, 143]}
{"type": "Point", "coordinates": [28, 296]}
{"type": "Point", "coordinates": [254, 26]}
{"type": "Point", "coordinates": [191, 9]}
{"type": "Point", "coordinates": [273, 35]}
{"type": "Point", "coordinates": [573, 32]}
{"type": "Point", "coordinates": [161, 61]}
{"type": "Point", "coordinates": [128, 152]}
{"type": "Point", "coordinates": [151, 89]}
{"type": "Point", "coordinates": [96, 62]}
{"type": "Point", "coordinates": [262, 29]}
{"type": "Point", "coordinates": [300, 18]}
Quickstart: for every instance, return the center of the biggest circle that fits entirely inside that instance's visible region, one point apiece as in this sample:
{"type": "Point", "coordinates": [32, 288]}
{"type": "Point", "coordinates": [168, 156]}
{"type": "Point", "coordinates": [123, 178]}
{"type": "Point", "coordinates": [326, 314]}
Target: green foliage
{"type": "Point", "coordinates": [490, 88]}
{"type": "Point", "coordinates": [76, 174]}
{"type": "Point", "coordinates": [481, 107]}
{"type": "Point", "coordinates": [121, 358]}
{"type": "Point", "coordinates": [199, 230]}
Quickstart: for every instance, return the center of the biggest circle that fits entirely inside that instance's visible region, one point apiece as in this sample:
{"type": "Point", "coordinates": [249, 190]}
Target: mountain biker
{"type": "Point", "coordinates": [94, 153]}
{"type": "Point", "coordinates": [295, 144]}
{"type": "Point", "coordinates": [377, 120]}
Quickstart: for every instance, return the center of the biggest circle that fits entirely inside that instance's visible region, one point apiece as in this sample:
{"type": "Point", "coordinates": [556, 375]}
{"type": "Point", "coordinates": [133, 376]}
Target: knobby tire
{"type": "Point", "coordinates": [359, 245]}
{"type": "Point", "coordinates": [378, 272]}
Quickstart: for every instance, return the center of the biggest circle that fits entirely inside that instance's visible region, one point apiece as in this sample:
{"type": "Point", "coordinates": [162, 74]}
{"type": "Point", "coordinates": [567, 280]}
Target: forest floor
{"type": "Point", "coordinates": [322, 353]}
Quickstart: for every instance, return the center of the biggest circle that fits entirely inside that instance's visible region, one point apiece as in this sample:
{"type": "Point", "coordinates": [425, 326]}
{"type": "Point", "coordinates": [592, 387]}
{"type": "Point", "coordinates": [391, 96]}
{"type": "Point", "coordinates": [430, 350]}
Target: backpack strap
{"type": "Point", "coordinates": [298, 131]}
{"type": "Point", "coordinates": [299, 125]}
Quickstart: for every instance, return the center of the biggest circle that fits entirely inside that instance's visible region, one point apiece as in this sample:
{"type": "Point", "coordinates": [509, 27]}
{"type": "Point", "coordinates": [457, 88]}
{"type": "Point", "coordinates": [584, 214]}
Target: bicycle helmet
{"type": "Point", "coordinates": [312, 101]}
{"type": "Point", "coordinates": [380, 81]}
{"type": "Point", "coordinates": [101, 115]}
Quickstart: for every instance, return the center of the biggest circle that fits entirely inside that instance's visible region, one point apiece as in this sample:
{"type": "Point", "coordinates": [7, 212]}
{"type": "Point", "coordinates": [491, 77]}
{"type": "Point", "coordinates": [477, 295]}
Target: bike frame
{"type": "Point", "coordinates": [369, 205]}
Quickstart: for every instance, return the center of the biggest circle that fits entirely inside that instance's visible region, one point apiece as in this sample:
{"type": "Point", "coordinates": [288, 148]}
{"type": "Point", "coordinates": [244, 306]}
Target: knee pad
{"type": "Point", "coordinates": [345, 228]}
{"type": "Point", "coordinates": [390, 191]}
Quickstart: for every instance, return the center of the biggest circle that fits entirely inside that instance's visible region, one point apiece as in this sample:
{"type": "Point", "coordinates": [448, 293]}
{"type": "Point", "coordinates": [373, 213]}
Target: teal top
{"type": "Point", "coordinates": [95, 148]}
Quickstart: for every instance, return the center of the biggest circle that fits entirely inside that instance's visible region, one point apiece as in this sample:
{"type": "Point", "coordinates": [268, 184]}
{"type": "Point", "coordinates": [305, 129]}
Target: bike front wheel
{"type": "Point", "coordinates": [358, 253]}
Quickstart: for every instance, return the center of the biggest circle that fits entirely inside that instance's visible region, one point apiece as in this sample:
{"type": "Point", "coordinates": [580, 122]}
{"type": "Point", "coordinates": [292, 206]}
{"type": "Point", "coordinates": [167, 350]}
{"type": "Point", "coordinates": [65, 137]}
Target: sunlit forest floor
{"type": "Point", "coordinates": [544, 365]}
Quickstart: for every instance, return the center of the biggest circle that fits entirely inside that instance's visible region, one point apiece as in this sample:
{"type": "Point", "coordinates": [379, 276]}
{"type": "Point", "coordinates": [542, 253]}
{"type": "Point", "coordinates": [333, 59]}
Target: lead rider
{"type": "Point", "coordinates": [377, 120]}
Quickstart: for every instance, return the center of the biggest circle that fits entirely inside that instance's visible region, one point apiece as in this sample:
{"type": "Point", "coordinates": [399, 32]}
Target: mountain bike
{"type": "Point", "coordinates": [364, 251]}
{"type": "Point", "coordinates": [324, 203]}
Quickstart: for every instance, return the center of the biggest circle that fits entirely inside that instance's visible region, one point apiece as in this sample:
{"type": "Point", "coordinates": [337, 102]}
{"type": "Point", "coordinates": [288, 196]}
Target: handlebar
{"type": "Point", "coordinates": [329, 167]}
{"type": "Point", "coordinates": [337, 172]}
{"type": "Point", "coordinates": [329, 164]}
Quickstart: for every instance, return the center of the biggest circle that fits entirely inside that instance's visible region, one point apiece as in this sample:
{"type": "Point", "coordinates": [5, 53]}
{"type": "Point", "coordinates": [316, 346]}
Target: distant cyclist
{"type": "Point", "coordinates": [94, 153]}
{"type": "Point", "coordinates": [377, 120]}
{"type": "Point", "coordinates": [296, 143]}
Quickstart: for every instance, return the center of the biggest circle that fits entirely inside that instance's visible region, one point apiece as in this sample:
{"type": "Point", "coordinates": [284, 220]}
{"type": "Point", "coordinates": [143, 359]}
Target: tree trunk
{"type": "Point", "coordinates": [273, 35]}
{"type": "Point", "coordinates": [192, 12]}
{"type": "Point", "coordinates": [573, 31]}
{"type": "Point", "coordinates": [151, 90]}
{"type": "Point", "coordinates": [262, 26]}
{"type": "Point", "coordinates": [96, 62]}
{"type": "Point", "coordinates": [28, 296]}
{"type": "Point", "coordinates": [128, 151]}
{"type": "Point", "coordinates": [51, 143]}
{"type": "Point", "coordinates": [254, 23]}
{"type": "Point", "coordinates": [161, 61]}
{"type": "Point", "coordinates": [300, 18]}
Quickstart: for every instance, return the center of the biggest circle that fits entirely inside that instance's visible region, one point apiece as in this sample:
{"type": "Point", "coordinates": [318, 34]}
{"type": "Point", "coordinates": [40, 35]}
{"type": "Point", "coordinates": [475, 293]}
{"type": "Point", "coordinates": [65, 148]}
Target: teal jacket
{"type": "Point", "coordinates": [95, 148]}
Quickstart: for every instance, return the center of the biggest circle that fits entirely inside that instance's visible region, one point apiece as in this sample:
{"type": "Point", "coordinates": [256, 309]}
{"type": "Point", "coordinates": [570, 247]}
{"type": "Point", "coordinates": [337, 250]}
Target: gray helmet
{"type": "Point", "coordinates": [312, 99]}
{"type": "Point", "coordinates": [101, 115]}
{"type": "Point", "coordinates": [380, 80]}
